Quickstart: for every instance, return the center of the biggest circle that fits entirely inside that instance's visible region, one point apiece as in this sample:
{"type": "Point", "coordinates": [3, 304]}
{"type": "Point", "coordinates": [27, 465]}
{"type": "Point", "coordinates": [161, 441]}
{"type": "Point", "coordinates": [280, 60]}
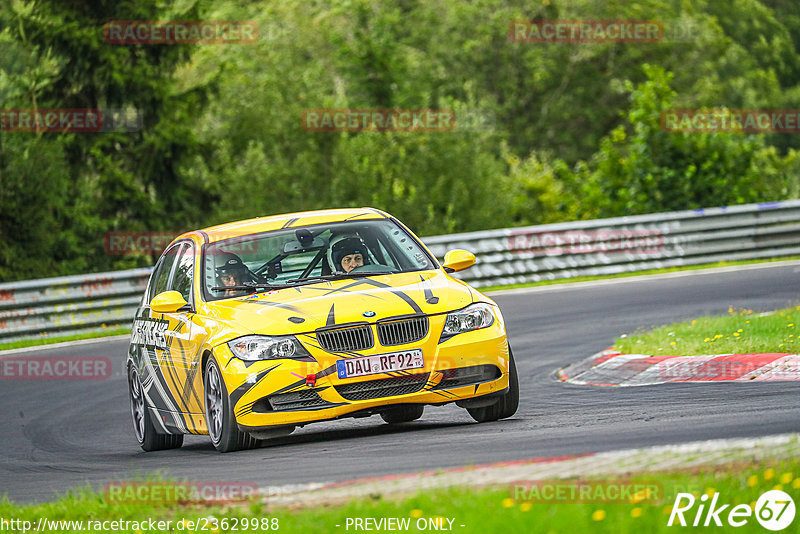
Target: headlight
{"type": "Point", "coordinates": [254, 348]}
{"type": "Point", "coordinates": [472, 317]}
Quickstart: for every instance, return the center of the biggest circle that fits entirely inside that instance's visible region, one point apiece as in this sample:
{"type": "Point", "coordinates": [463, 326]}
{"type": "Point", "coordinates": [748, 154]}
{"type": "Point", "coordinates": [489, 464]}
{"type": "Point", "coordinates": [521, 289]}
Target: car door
{"type": "Point", "coordinates": [182, 352]}
{"type": "Point", "coordinates": [166, 348]}
{"type": "Point", "coordinates": [148, 347]}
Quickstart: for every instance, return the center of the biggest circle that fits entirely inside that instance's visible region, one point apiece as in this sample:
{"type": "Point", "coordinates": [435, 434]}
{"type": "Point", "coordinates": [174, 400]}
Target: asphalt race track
{"type": "Point", "coordinates": [60, 434]}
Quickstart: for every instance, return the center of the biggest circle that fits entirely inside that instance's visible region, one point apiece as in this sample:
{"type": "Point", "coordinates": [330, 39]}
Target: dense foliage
{"type": "Point", "coordinates": [571, 131]}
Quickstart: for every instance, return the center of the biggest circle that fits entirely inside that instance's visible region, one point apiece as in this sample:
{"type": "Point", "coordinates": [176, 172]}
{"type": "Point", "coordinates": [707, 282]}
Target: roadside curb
{"type": "Point", "coordinates": [613, 368]}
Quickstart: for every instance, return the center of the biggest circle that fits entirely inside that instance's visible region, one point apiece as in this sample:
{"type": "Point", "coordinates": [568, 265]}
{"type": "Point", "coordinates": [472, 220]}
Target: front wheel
{"type": "Point", "coordinates": [143, 427]}
{"type": "Point", "coordinates": [225, 435]}
{"type": "Point", "coordinates": [507, 405]}
{"type": "Point", "coordinates": [403, 414]}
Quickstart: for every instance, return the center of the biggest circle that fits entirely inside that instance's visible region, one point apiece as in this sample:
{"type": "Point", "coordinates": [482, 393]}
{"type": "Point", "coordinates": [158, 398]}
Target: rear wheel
{"type": "Point", "coordinates": [507, 405]}
{"type": "Point", "coordinates": [403, 414]}
{"type": "Point", "coordinates": [222, 429]}
{"type": "Point", "coordinates": [147, 436]}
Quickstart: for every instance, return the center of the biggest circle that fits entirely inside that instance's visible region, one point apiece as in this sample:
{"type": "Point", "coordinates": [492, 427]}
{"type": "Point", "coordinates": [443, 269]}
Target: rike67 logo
{"type": "Point", "coordinates": [774, 510]}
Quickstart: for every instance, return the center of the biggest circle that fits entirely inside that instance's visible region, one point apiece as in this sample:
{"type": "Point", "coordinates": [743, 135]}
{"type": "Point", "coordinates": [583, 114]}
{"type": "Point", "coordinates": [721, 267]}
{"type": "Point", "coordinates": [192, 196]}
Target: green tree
{"type": "Point", "coordinates": [640, 168]}
{"type": "Point", "coordinates": [110, 181]}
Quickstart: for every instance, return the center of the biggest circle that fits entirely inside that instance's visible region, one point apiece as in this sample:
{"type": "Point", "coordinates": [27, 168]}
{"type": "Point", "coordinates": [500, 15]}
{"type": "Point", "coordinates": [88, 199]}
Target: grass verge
{"type": "Point", "coordinates": [61, 339]}
{"type": "Point", "coordinates": [741, 331]}
{"type": "Point", "coordinates": [513, 508]}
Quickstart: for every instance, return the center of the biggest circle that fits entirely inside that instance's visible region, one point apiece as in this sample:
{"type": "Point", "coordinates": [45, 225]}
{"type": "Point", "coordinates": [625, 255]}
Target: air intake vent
{"type": "Point", "coordinates": [402, 331]}
{"type": "Point", "coordinates": [384, 387]}
{"type": "Point", "coordinates": [296, 400]}
{"type": "Point", "coordinates": [346, 339]}
{"type": "Point", "coordinates": [465, 376]}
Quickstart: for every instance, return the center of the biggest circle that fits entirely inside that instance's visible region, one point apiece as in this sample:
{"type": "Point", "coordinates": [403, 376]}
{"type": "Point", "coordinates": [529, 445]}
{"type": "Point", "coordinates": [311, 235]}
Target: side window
{"type": "Point", "coordinates": [151, 284]}
{"type": "Point", "coordinates": [182, 283]}
{"type": "Point", "coordinates": [161, 277]}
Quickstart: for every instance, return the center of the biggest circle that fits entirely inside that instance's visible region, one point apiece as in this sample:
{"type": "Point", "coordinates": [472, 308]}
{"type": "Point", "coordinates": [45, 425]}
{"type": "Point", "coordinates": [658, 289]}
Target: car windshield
{"type": "Point", "coordinates": [257, 262]}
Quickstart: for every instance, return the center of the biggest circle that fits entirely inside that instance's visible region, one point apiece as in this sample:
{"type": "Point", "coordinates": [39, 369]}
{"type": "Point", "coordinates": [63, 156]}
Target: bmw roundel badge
{"type": "Point", "coordinates": [369, 314]}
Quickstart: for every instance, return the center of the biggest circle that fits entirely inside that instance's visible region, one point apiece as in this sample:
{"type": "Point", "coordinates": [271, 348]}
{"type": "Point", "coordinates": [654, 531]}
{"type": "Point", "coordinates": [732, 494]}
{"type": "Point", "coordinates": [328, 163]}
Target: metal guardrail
{"type": "Point", "coordinates": [625, 244]}
{"type": "Point", "coordinates": [72, 304]}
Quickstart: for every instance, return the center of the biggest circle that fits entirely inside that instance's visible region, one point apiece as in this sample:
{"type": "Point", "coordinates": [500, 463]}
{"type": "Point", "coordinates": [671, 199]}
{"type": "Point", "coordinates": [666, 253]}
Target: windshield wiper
{"type": "Point", "coordinates": [321, 278]}
{"type": "Point", "coordinates": [338, 276]}
{"type": "Point", "coordinates": [250, 287]}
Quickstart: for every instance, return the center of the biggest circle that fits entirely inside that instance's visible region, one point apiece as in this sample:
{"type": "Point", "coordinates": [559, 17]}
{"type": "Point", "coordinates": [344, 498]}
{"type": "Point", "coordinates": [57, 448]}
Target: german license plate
{"type": "Point", "coordinates": [380, 363]}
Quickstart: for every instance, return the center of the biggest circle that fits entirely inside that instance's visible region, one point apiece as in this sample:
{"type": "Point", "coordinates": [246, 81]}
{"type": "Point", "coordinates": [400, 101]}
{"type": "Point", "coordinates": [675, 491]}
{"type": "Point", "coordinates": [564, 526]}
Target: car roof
{"type": "Point", "coordinates": [288, 220]}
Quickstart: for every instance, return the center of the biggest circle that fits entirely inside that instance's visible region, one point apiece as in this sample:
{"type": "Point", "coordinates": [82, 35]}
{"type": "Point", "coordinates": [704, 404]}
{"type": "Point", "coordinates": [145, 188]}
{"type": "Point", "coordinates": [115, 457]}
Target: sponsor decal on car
{"type": "Point", "coordinates": [149, 333]}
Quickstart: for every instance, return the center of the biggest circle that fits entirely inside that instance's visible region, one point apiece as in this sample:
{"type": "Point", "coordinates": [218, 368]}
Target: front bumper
{"type": "Point", "coordinates": [270, 393]}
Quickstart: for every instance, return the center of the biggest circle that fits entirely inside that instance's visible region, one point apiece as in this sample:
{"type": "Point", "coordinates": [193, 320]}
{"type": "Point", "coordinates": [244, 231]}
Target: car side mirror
{"type": "Point", "coordinates": [458, 260]}
{"type": "Point", "coordinates": [168, 302]}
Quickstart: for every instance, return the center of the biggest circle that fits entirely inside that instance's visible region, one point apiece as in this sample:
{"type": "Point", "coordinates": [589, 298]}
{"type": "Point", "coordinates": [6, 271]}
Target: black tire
{"type": "Point", "coordinates": [146, 434]}
{"type": "Point", "coordinates": [222, 429]}
{"type": "Point", "coordinates": [403, 414]}
{"type": "Point", "coordinates": [507, 405]}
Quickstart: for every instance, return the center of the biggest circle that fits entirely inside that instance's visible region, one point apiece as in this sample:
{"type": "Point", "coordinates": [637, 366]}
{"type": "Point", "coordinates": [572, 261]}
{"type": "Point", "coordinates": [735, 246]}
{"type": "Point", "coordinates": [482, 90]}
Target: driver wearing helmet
{"type": "Point", "coordinates": [346, 253]}
{"type": "Point", "coordinates": [231, 273]}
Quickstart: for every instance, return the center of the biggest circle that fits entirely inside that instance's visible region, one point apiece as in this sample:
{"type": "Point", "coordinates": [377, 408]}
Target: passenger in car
{"type": "Point", "coordinates": [231, 273]}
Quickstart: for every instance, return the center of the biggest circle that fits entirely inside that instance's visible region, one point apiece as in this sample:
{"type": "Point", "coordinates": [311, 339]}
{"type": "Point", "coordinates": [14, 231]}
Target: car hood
{"type": "Point", "coordinates": [305, 308]}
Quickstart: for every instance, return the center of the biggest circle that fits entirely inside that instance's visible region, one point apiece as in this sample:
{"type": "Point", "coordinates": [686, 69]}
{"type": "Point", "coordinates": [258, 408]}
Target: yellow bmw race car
{"type": "Point", "coordinates": [250, 329]}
